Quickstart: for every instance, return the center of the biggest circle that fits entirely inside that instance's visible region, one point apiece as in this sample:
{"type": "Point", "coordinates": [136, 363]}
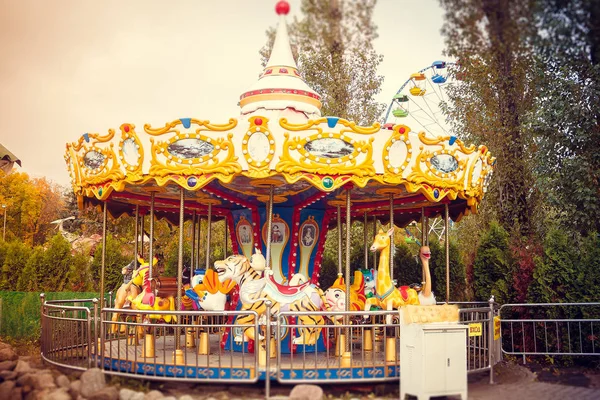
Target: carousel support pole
{"type": "Point", "coordinates": [368, 333]}
{"type": "Point", "coordinates": [423, 228]}
{"type": "Point", "coordinates": [198, 238]}
{"type": "Point", "coordinates": [374, 233]}
{"type": "Point", "coordinates": [346, 355]}
{"type": "Point", "coordinates": [193, 249]}
{"type": "Point", "coordinates": [447, 239]}
{"type": "Point", "coordinates": [178, 355]}
{"type": "Point", "coordinates": [426, 242]}
{"type": "Point", "coordinates": [142, 226]}
{"type": "Point", "coordinates": [366, 240]}
{"type": "Point", "coordinates": [151, 245]}
{"type": "Point", "coordinates": [226, 238]}
{"type": "Point", "coordinates": [208, 232]}
{"type": "Point", "coordinates": [136, 233]}
{"type": "Point", "coordinates": [269, 225]}
{"type": "Point", "coordinates": [103, 265]}
{"type": "Point", "coordinates": [341, 337]}
{"type": "Point", "coordinates": [392, 243]}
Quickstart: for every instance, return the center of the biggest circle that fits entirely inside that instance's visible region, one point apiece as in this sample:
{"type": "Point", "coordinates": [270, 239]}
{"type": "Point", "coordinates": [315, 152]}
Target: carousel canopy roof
{"type": "Point", "coordinates": [310, 161]}
{"type": "Point", "coordinates": [7, 159]}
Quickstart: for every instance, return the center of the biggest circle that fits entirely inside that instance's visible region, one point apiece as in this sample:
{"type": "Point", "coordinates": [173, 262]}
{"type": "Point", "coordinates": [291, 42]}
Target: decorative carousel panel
{"type": "Point", "coordinates": [280, 235]}
{"type": "Point", "coordinates": [96, 168]}
{"type": "Point", "coordinates": [193, 153]}
{"type": "Point", "coordinates": [397, 154]}
{"type": "Point", "coordinates": [245, 238]}
{"type": "Point", "coordinates": [326, 153]}
{"type": "Point", "coordinates": [309, 236]}
{"type": "Point", "coordinates": [131, 152]}
{"type": "Point", "coordinates": [258, 147]}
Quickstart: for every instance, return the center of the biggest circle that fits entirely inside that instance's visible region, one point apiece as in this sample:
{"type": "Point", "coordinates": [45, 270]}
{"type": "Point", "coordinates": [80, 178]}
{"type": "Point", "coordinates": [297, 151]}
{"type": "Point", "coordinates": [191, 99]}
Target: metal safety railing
{"type": "Point", "coordinates": [292, 347]}
{"type": "Point", "coordinates": [551, 329]}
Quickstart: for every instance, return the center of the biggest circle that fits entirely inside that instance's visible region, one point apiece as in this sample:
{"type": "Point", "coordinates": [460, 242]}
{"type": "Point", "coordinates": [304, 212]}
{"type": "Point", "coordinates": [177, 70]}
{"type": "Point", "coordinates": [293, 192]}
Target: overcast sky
{"type": "Point", "coordinates": [74, 66]}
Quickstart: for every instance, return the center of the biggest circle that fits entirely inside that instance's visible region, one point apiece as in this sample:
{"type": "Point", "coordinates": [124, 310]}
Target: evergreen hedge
{"type": "Point", "coordinates": [20, 312]}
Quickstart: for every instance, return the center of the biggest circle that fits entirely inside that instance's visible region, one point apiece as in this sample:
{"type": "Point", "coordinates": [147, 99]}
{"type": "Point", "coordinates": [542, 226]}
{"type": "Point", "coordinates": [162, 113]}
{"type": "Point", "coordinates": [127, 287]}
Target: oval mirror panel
{"type": "Point", "coordinates": [329, 148]}
{"type": "Point", "coordinates": [130, 151]}
{"type": "Point", "coordinates": [190, 148]}
{"type": "Point", "coordinates": [93, 159]}
{"type": "Point", "coordinates": [444, 163]}
{"type": "Point", "coordinates": [258, 146]}
{"type": "Point", "coordinates": [398, 153]}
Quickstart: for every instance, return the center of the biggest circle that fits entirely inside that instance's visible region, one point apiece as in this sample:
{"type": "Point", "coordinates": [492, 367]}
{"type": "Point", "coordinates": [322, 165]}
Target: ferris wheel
{"type": "Point", "coordinates": [419, 102]}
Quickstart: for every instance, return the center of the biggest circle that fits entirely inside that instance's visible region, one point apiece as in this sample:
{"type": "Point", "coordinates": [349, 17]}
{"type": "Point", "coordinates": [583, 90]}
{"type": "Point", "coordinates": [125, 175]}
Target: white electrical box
{"type": "Point", "coordinates": [433, 359]}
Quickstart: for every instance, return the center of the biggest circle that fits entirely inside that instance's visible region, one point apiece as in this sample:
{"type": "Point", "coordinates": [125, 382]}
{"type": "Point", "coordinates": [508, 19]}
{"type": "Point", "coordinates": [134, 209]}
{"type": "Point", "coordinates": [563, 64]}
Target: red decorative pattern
{"type": "Point", "coordinates": [283, 91]}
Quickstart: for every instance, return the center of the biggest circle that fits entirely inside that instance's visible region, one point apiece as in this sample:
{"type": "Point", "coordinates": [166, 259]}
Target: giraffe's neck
{"type": "Point", "coordinates": [384, 283]}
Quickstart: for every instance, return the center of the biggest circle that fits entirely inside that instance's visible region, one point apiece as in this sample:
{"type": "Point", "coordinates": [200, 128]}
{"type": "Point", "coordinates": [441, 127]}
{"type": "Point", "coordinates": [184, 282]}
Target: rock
{"type": "Point", "coordinates": [37, 394]}
{"type": "Point", "coordinates": [16, 394]}
{"type": "Point", "coordinates": [107, 393]}
{"type": "Point", "coordinates": [7, 353]}
{"type": "Point", "coordinates": [186, 397]}
{"type": "Point", "coordinates": [153, 395]}
{"type": "Point", "coordinates": [22, 367]}
{"type": "Point", "coordinates": [5, 389]}
{"type": "Point", "coordinates": [75, 388]}
{"type": "Point", "coordinates": [92, 381]}
{"type": "Point", "coordinates": [169, 398]}
{"type": "Point", "coordinates": [62, 381]}
{"type": "Point", "coordinates": [306, 392]}
{"type": "Point", "coordinates": [59, 394]}
{"type": "Point", "coordinates": [7, 365]}
{"type": "Point", "coordinates": [8, 375]}
{"type": "Point", "coordinates": [38, 381]}
{"type": "Point", "coordinates": [128, 394]}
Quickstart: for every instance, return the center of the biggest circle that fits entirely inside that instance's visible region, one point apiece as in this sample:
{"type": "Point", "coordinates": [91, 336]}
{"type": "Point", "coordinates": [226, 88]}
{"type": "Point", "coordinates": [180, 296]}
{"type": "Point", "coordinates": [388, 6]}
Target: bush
{"type": "Point", "coordinates": [492, 268]}
{"type": "Point", "coordinates": [16, 258]}
{"type": "Point", "coordinates": [437, 266]}
{"type": "Point", "coordinates": [114, 263]}
{"type": "Point", "coordinates": [57, 260]}
{"type": "Point", "coordinates": [33, 274]}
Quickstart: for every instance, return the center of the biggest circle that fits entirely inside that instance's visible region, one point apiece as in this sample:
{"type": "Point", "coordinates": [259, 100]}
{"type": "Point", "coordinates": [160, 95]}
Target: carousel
{"type": "Point", "coordinates": [281, 175]}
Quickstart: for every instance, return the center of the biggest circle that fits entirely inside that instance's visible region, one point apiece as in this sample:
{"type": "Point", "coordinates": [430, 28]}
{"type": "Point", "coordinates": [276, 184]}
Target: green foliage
{"type": "Point", "coordinates": [437, 265]}
{"type": "Point", "coordinates": [114, 263]}
{"type": "Point", "coordinates": [57, 261]}
{"type": "Point", "coordinates": [16, 258]}
{"type": "Point", "coordinates": [34, 272]}
{"type": "Point", "coordinates": [20, 312]}
{"type": "Point", "coordinates": [79, 279]}
{"type": "Point", "coordinates": [492, 268]}
{"type": "Point", "coordinates": [495, 94]}
{"type": "Point", "coordinates": [555, 274]}
{"type": "Point", "coordinates": [406, 268]}
{"type": "Point", "coordinates": [565, 119]}
{"type": "Point", "coordinates": [333, 41]}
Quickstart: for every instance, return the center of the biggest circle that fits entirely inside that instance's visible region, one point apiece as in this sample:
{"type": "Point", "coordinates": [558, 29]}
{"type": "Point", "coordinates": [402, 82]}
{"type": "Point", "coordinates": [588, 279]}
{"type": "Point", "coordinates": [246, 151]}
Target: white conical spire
{"type": "Point", "coordinates": [280, 86]}
{"type": "Point", "coordinates": [281, 54]}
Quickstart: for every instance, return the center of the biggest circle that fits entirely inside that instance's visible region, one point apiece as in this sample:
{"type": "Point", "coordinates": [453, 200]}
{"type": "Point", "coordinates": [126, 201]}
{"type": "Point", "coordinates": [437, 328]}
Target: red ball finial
{"type": "Point", "coordinates": [282, 7]}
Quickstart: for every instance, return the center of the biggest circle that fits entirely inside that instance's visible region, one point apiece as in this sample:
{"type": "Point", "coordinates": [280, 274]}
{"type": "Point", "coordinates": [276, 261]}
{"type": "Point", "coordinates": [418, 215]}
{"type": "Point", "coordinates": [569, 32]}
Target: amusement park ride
{"type": "Point", "coordinates": [281, 175]}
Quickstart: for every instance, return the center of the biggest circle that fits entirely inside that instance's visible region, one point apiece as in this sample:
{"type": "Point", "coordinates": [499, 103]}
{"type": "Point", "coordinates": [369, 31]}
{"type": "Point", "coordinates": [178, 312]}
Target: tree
{"type": "Point", "coordinates": [57, 260]}
{"type": "Point", "coordinates": [334, 45]}
{"type": "Point", "coordinates": [51, 208]}
{"type": "Point", "coordinates": [566, 116]}
{"type": "Point", "coordinates": [438, 271]}
{"type": "Point", "coordinates": [493, 266]}
{"type": "Point", "coordinates": [16, 258]}
{"type": "Point", "coordinates": [114, 263]}
{"type": "Point", "coordinates": [32, 275]}
{"type": "Point", "coordinates": [490, 40]}
{"type": "Point", "coordinates": [24, 204]}
{"type": "Point", "coordinates": [79, 278]}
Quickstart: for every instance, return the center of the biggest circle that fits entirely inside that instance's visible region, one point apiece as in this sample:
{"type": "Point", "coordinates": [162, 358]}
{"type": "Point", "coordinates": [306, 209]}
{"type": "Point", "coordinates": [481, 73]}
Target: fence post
{"type": "Point", "coordinates": [268, 350]}
{"type": "Point", "coordinates": [93, 336]}
{"type": "Point", "coordinates": [42, 320]}
{"type": "Point", "coordinates": [491, 341]}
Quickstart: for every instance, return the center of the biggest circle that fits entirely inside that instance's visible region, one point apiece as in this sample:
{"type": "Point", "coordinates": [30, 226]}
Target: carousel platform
{"type": "Point", "coordinates": [218, 364]}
